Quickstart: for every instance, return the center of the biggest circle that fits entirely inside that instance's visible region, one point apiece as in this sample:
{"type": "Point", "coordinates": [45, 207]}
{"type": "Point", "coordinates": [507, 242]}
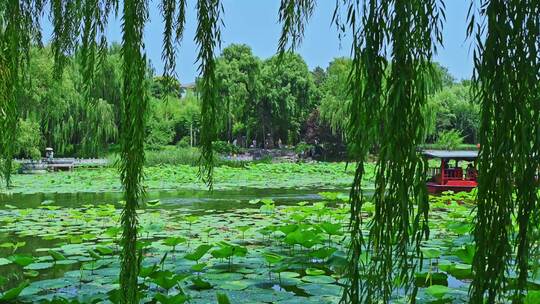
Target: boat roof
{"type": "Point", "coordinates": [451, 154]}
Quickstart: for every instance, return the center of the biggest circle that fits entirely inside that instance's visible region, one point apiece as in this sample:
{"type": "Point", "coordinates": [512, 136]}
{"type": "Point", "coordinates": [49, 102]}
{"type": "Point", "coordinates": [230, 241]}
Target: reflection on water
{"type": "Point", "coordinates": [205, 200]}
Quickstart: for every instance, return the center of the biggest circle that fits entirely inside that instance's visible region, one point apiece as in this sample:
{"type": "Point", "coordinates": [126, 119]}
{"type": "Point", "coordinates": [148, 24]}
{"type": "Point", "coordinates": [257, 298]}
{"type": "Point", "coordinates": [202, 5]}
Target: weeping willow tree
{"type": "Point", "coordinates": [388, 105]}
{"type": "Point", "coordinates": [4, 94]}
{"type": "Point", "coordinates": [407, 31]}
{"type": "Point", "coordinates": [134, 100]}
{"type": "Point", "coordinates": [506, 82]}
{"type": "Point", "coordinates": [19, 27]}
{"type": "Point", "coordinates": [208, 37]}
{"type": "Point", "coordinates": [366, 98]}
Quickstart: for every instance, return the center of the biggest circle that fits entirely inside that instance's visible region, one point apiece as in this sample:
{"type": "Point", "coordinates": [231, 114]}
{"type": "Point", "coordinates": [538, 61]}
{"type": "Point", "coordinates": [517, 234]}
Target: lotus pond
{"type": "Point", "coordinates": [183, 177]}
{"type": "Point", "coordinates": [274, 245]}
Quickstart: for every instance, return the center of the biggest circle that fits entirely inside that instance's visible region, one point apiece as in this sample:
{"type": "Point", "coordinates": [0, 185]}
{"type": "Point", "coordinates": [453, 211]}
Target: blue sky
{"type": "Point", "coordinates": [254, 22]}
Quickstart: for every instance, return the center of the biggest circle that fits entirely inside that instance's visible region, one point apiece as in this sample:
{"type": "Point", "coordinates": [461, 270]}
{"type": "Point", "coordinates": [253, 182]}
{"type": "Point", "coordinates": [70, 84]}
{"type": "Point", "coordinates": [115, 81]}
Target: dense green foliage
{"type": "Point", "coordinates": [452, 109]}
{"type": "Point", "coordinates": [66, 119]}
{"type": "Point", "coordinates": [260, 98]}
{"type": "Point", "coordinates": [336, 97]}
{"type": "Point", "coordinates": [266, 100]}
{"type": "Point", "coordinates": [507, 86]}
{"type": "Point", "coordinates": [173, 121]}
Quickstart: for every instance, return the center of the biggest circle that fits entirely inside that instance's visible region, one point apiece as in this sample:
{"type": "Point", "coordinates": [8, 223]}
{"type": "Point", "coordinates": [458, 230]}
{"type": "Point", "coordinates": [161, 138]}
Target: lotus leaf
{"type": "Point", "coordinates": [198, 253]}
{"type": "Point", "coordinates": [222, 298]}
{"type": "Point", "coordinates": [319, 279]}
{"type": "Point", "coordinates": [233, 285]}
{"type": "Point", "coordinates": [314, 271]}
{"type": "Point", "coordinates": [57, 256]}
{"type": "Point", "coordinates": [437, 291]}
{"type": "Point", "coordinates": [13, 293]}
{"type": "Point", "coordinates": [200, 284]}
{"type": "Point", "coordinates": [331, 229]}
{"type": "Point", "coordinates": [175, 299]}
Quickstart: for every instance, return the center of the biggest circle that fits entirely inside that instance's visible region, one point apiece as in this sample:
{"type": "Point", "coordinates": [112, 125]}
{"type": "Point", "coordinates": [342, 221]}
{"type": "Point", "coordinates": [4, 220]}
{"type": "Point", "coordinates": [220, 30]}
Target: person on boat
{"type": "Point", "coordinates": [471, 171]}
{"type": "Point", "coordinates": [458, 172]}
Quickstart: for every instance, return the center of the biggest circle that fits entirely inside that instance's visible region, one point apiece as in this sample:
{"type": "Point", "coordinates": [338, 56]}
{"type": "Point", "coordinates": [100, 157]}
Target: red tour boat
{"type": "Point", "coordinates": [451, 175]}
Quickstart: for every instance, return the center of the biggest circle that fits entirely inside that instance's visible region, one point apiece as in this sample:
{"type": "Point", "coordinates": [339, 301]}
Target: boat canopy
{"type": "Point", "coordinates": [449, 154]}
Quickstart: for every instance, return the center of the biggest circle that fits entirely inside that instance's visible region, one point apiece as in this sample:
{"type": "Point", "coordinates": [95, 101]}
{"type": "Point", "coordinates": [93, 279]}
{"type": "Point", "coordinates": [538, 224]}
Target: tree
{"type": "Point", "coordinates": [107, 82]}
{"type": "Point", "coordinates": [29, 141]}
{"type": "Point", "coordinates": [71, 122]}
{"type": "Point", "coordinates": [453, 108]}
{"type": "Point", "coordinates": [336, 98]}
{"type": "Point", "coordinates": [285, 99]}
{"type": "Point", "coordinates": [163, 86]}
{"type": "Point", "coordinates": [238, 73]}
{"type": "Point", "coordinates": [319, 76]}
{"type": "Point", "coordinates": [188, 119]}
{"type": "Point", "coordinates": [171, 119]}
{"type": "Point", "coordinates": [272, 97]}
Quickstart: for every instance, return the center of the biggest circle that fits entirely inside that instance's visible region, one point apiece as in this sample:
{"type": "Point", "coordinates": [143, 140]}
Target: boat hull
{"type": "Point", "coordinates": [458, 187]}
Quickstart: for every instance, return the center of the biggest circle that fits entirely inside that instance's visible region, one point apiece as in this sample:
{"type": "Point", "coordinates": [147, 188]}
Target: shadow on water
{"type": "Point", "coordinates": [216, 200]}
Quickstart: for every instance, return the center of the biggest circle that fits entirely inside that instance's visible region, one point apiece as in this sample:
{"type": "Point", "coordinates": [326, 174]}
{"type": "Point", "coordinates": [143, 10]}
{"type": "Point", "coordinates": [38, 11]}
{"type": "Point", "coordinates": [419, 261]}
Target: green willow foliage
{"type": "Point", "coordinates": [172, 25]}
{"type": "Point", "coordinates": [397, 228]}
{"type": "Point", "coordinates": [336, 97]}
{"type": "Point", "coordinates": [135, 100]}
{"type": "Point", "coordinates": [97, 126]}
{"type": "Point", "coordinates": [389, 105]}
{"type": "Point", "coordinates": [366, 98]}
{"type": "Point", "coordinates": [506, 83]}
{"type": "Point", "coordinates": [19, 24]}
{"type": "Point", "coordinates": [208, 37]}
{"type": "Point", "coordinates": [65, 17]}
{"type": "Point", "coordinates": [95, 18]}
{"type": "Point", "coordinates": [293, 14]}
{"type": "Point", "coordinates": [4, 100]}
{"type": "Point", "coordinates": [412, 29]}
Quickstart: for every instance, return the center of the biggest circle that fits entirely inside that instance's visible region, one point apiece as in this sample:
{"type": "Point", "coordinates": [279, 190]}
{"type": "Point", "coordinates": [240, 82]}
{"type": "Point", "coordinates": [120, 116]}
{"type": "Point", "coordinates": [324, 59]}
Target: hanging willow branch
{"type": "Point", "coordinates": [5, 78]}
{"type": "Point", "coordinates": [134, 99]}
{"type": "Point", "coordinates": [396, 229]}
{"type": "Point", "coordinates": [65, 17]}
{"type": "Point", "coordinates": [526, 24]}
{"type": "Point", "coordinates": [20, 28]}
{"type": "Point", "coordinates": [174, 20]}
{"type": "Point", "coordinates": [411, 29]}
{"type": "Point", "coordinates": [208, 37]}
{"type": "Point", "coordinates": [506, 83]}
{"type": "Point", "coordinates": [389, 106]}
{"type": "Point", "coordinates": [95, 17]}
{"type": "Point", "coordinates": [365, 87]}
{"type": "Point", "coordinates": [293, 14]}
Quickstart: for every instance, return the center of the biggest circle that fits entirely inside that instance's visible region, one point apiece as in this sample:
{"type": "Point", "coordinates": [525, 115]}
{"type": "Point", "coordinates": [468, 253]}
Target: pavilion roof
{"type": "Point", "coordinates": [451, 154]}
